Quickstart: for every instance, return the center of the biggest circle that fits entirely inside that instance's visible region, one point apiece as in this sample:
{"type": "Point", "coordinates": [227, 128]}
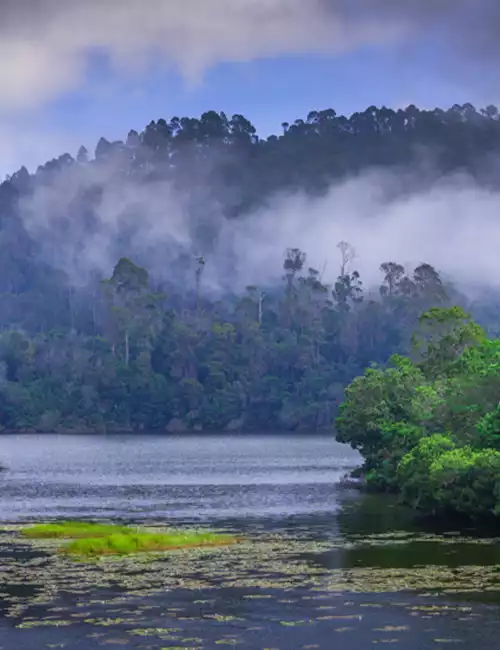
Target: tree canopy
{"type": "Point", "coordinates": [147, 346]}
{"type": "Point", "coordinates": [429, 429]}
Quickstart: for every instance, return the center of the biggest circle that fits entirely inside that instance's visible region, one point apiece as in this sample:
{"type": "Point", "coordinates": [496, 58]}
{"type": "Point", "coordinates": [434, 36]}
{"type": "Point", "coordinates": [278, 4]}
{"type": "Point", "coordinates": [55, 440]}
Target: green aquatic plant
{"type": "Point", "coordinates": [150, 601]}
{"type": "Point", "coordinates": [74, 530]}
{"type": "Point", "coordinates": [137, 542]}
{"type": "Point", "coordinates": [94, 539]}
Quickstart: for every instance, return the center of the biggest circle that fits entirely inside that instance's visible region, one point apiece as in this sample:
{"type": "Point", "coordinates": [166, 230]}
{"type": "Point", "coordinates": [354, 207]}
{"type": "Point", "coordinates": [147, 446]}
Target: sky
{"type": "Point", "coordinates": [73, 71]}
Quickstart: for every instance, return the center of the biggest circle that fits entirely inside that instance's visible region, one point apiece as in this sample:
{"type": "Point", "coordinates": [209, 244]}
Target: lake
{"type": "Point", "coordinates": [321, 564]}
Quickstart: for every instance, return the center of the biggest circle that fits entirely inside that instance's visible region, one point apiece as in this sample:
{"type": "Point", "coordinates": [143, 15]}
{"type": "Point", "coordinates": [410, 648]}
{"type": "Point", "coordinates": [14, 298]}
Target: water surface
{"type": "Point", "coordinates": [143, 476]}
{"type": "Point", "coordinates": [321, 564]}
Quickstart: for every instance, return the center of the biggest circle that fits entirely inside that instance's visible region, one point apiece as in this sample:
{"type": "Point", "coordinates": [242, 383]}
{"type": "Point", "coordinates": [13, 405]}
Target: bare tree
{"type": "Point", "coordinates": [347, 253]}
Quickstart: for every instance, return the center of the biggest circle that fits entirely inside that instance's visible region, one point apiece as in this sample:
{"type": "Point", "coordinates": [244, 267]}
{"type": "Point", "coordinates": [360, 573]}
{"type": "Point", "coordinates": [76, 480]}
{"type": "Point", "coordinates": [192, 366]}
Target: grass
{"type": "Point", "coordinates": [73, 530]}
{"type": "Point", "coordinates": [93, 540]}
{"type": "Point", "coordinates": [120, 544]}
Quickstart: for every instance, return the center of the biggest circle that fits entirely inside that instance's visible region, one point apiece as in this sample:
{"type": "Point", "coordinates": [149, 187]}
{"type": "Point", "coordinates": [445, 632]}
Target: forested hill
{"type": "Point", "coordinates": [150, 344]}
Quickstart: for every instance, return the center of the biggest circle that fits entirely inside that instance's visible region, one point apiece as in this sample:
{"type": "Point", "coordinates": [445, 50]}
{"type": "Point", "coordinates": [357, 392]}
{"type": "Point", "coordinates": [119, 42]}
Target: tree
{"type": "Point", "coordinates": [348, 291]}
{"type": "Point", "coordinates": [277, 356]}
{"type": "Point", "coordinates": [347, 253]}
{"type": "Point", "coordinates": [126, 292]}
{"type": "Point", "coordinates": [293, 264]}
{"type": "Point", "coordinates": [372, 418]}
{"type": "Point", "coordinates": [82, 156]}
{"type": "Point", "coordinates": [429, 285]}
{"type": "Point", "coordinates": [200, 267]}
{"type": "Point", "coordinates": [443, 335]}
{"type": "Point", "coordinates": [393, 275]}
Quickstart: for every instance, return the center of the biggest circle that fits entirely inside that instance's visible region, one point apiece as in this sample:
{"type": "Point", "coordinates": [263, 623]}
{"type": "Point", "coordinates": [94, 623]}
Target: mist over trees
{"type": "Point", "coordinates": [111, 320]}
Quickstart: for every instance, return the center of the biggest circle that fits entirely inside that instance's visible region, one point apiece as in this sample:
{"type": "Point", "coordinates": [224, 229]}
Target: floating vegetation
{"type": "Point", "coordinates": [44, 623]}
{"type": "Point", "coordinates": [143, 542]}
{"type": "Point", "coordinates": [265, 582]}
{"type": "Point", "coordinates": [257, 564]}
{"type": "Point", "coordinates": [74, 530]}
{"type": "Point", "coordinates": [94, 539]}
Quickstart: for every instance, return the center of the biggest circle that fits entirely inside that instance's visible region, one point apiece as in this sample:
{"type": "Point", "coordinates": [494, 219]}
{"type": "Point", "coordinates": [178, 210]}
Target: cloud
{"type": "Point", "coordinates": [452, 224]}
{"type": "Point", "coordinates": [82, 235]}
{"type": "Point", "coordinates": [46, 45]}
{"type": "Point", "coordinates": [45, 50]}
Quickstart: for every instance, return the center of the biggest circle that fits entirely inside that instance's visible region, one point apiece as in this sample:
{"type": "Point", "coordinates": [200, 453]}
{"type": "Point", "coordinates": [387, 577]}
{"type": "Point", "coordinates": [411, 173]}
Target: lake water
{"type": "Point", "coordinates": [320, 566]}
{"type": "Point", "coordinates": [176, 477]}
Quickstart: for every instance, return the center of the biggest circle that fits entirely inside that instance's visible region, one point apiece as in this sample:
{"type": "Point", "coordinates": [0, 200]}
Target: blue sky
{"type": "Point", "coordinates": [267, 91]}
{"type": "Point", "coordinates": [62, 96]}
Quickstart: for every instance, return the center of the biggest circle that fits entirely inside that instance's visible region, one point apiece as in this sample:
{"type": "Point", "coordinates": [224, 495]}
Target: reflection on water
{"type": "Point", "coordinates": [320, 566]}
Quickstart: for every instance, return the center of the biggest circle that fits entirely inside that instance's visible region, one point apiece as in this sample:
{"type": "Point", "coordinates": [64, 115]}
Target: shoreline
{"type": "Point", "coordinates": [173, 434]}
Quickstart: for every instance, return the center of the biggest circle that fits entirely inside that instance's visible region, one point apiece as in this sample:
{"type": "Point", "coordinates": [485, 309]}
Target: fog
{"type": "Point", "coordinates": [452, 224]}
{"type": "Point", "coordinates": [48, 48]}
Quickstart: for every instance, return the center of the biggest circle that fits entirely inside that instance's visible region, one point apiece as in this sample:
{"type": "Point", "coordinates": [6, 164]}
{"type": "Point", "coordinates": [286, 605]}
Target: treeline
{"type": "Point", "coordinates": [150, 349]}
{"type": "Point", "coordinates": [429, 426]}
{"type": "Point", "coordinates": [263, 361]}
{"type": "Point", "coordinates": [219, 167]}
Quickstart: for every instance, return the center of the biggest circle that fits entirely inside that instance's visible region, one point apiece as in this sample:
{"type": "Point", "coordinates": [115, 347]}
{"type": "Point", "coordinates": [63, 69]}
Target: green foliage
{"type": "Point", "coordinates": [431, 429]}
{"type": "Point", "coordinates": [488, 429]}
{"type": "Point", "coordinates": [375, 406]}
{"type": "Point", "coordinates": [443, 335]}
{"type": "Point", "coordinates": [265, 361]}
{"type": "Point", "coordinates": [149, 349]}
{"type": "Point", "coordinates": [143, 542]}
{"type": "Point", "coordinates": [439, 477]}
{"type": "Point", "coordinates": [73, 530]}
{"type": "Point", "coordinates": [94, 539]}
{"type": "Point", "coordinates": [413, 469]}
{"type": "Point", "coordinates": [467, 482]}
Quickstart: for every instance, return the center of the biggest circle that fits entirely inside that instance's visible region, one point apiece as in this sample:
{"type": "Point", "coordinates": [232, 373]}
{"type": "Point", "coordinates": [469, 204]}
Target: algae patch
{"type": "Point", "coordinates": [73, 530]}
{"type": "Point", "coordinates": [95, 539]}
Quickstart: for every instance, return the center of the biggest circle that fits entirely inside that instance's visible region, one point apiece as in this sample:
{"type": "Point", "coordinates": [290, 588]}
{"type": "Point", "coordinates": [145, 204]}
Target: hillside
{"type": "Point", "coordinates": [111, 319]}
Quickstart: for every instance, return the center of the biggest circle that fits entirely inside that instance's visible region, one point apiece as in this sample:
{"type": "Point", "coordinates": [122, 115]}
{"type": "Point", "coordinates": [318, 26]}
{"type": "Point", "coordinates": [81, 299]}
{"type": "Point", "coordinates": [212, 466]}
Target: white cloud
{"type": "Point", "coordinates": [453, 225]}
{"type": "Point", "coordinates": [45, 44]}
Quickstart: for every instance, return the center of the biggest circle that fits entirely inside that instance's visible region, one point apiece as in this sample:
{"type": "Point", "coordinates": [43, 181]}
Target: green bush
{"type": "Point", "coordinates": [413, 470]}
{"type": "Point", "coordinates": [467, 482]}
{"type": "Point", "coordinates": [488, 429]}
{"type": "Point", "coordinates": [396, 419]}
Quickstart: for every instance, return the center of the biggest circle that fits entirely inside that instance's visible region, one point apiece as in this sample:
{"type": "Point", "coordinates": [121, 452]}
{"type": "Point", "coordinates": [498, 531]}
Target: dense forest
{"type": "Point", "coordinates": [429, 426]}
{"type": "Point", "coordinates": [149, 344]}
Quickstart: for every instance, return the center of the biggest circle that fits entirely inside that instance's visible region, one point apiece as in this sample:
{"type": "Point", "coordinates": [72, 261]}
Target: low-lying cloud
{"type": "Point", "coordinates": [453, 225]}
{"type": "Point", "coordinates": [46, 45]}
